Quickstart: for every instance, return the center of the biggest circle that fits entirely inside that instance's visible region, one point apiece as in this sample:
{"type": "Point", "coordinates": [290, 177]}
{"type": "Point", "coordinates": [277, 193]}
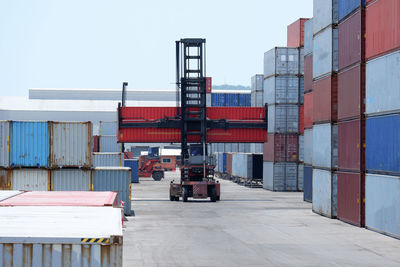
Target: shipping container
{"type": "Point", "coordinates": [257, 82]}
{"type": "Point", "coordinates": [282, 89]}
{"type": "Point", "coordinates": [232, 100]}
{"type": "Point", "coordinates": [308, 110]}
{"type": "Point", "coordinates": [30, 179]}
{"type": "Point", "coordinates": [301, 148]}
{"type": "Point", "coordinates": [244, 147]}
{"type": "Point", "coordinates": [351, 92]}
{"type": "Point", "coordinates": [241, 165]}
{"type": "Point", "coordinates": [383, 144]}
{"type": "Point", "coordinates": [117, 179]}
{"type": "Point", "coordinates": [30, 144]}
{"type": "Point", "coordinates": [71, 144]}
{"type": "Point", "coordinates": [325, 14]}
{"type": "Point", "coordinates": [301, 62]}
{"type": "Point", "coordinates": [224, 161]}
{"type": "Point", "coordinates": [61, 236]}
{"type": "Point", "coordinates": [308, 37]}
{"type": "Point", "coordinates": [4, 144]}
{"type": "Point", "coordinates": [229, 163]}
{"type": "Point", "coordinates": [383, 80]}
{"type": "Point", "coordinates": [351, 40]}
{"type": "Point", "coordinates": [382, 202]}
{"type": "Point", "coordinates": [325, 149]}
{"type": "Point", "coordinates": [324, 194]}
{"type": "Point", "coordinates": [347, 7]}
{"type": "Point", "coordinates": [283, 119]}
{"type": "Point", "coordinates": [301, 119]}
{"type": "Point", "coordinates": [308, 146]}
{"type": "Point", "coordinates": [108, 159]}
{"type": "Point", "coordinates": [281, 148]}
{"type": "Point", "coordinates": [108, 143]}
{"type": "Point", "coordinates": [301, 93]}
{"type": "Point", "coordinates": [71, 180]}
{"type": "Point", "coordinates": [209, 100]}
{"type": "Point", "coordinates": [220, 160]}
{"type": "Point", "coordinates": [256, 148]}
{"type": "Point", "coordinates": [5, 179]}
{"type": "Point", "coordinates": [134, 165]}
{"type": "Point", "coordinates": [281, 61]}
{"type": "Point", "coordinates": [325, 52]}
{"type": "Point", "coordinates": [300, 177]}
{"type": "Point", "coordinates": [382, 27]}
{"type": "Point", "coordinates": [295, 33]}
{"type": "Point", "coordinates": [95, 143]}
{"type": "Point", "coordinates": [108, 128]}
{"type": "Point", "coordinates": [308, 73]}
{"type": "Point", "coordinates": [350, 198]}
{"type": "Point", "coordinates": [257, 98]}
{"type": "Point", "coordinates": [307, 184]}
{"type": "Point", "coordinates": [280, 176]}
{"type": "Point", "coordinates": [325, 99]}
{"type": "Point", "coordinates": [351, 136]}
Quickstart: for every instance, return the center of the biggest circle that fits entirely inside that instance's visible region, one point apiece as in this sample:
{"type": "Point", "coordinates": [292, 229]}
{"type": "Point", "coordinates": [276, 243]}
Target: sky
{"type": "Point", "coordinates": [101, 43]}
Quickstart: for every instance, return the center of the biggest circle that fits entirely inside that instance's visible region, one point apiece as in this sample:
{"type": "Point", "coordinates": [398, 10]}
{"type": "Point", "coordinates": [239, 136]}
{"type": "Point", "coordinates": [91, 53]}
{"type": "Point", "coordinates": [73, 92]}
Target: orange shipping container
{"type": "Point", "coordinates": [295, 33]}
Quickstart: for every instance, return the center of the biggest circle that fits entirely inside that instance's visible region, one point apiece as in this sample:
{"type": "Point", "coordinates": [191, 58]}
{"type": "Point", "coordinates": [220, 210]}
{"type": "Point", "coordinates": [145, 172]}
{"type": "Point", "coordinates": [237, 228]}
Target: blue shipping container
{"type": "Point", "coordinates": [220, 162]}
{"type": "Point", "coordinates": [134, 165]}
{"type": "Point", "coordinates": [30, 144]}
{"type": "Point", "coordinates": [232, 100]}
{"type": "Point", "coordinates": [248, 100]}
{"type": "Point", "coordinates": [242, 100]}
{"type": "Point", "coordinates": [346, 7]}
{"type": "Point", "coordinates": [382, 202]}
{"type": "Point", "coordinates": [224, 162]}
{"type": "Point", "coordinates": [214, 100]}
{"type": "Point", "coordinates": [307, 184]}
{"type": "Point", "coordinates": [382, 151]}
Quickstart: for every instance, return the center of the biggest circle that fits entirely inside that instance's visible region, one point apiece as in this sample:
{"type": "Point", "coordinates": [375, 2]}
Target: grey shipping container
{"type": "Point", "coordinates": [324, 193]}
{"type": "Point", "coordinates": [108, 159]}
{"type": "Point", "coordinates": [257, 98]}
{"type": "Point", "coordinates": [308, 146]}
{"type": "Point", "coordinates": [325, 14]}
{"type": "Point", "coordinates": [208, 100]}
{"type": "Point", "coordinates": [282, 89]}
{"type": "Point", "coordinates": [325, 148]}
{"type": "Point", "coordinates": [108, 128]}
{"type": "Point", "coordinates": [280, 176]}
{"type": "Point", "coordinates": [283, 119]}
{"type": "Point", "coordinates": [4, 143]}
{"type": "Point", "coordinates": [383, 80]}
{"type": "Point", "coordinates": [242, 165]}
{"type": "Point", "coordinates": [257, 82]}
{"type": "Point", "coordinates": [301, 61]}
{"type": "Point", "coordinates": [301, 148]}
{"type": "Point", "coordinates": [308, 37]}
{"type": "Point", "coordinates": [108, 143]}
{"type": "Point", "coordinates": [71, 144]}
{"type": "Point", "coordinates": [281, 61]}
{"type": "Point", "coordinates": [300, 177]}
{"type": "Point", "coordinates": [117, 179]}
{"type": "Point", "coordinates": [60, 236]}
{"type": "Point", "coordinates": [31, 179]}
{"type": "Point", "coordinates": [71, 180]}
{"type": "Point", "coordinates": [325, 52]}
{"type": "Point", "coordinates": [244, 147]}
{"type": "Point", "coordinates": [256, 148]}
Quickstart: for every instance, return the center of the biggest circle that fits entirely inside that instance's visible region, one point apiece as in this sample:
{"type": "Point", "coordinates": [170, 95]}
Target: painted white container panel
{"type": "Point", "coordinates": [31, 179]}
{"type": "Point", "coordinates": [324, 193]}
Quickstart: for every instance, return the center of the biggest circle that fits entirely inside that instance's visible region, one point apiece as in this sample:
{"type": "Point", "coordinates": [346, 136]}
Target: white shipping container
{"type": "Point", "coordinates": [60, 236]}
{"type": "Point", "coordinates": [108, 128]}
{"type": "Point", "coordinates": [280, 176]}
{"type": "Point", "coordinates": [71, 180]}
{"type": "Point", "coordinates": [325, 149]}
{"type": "Point", "coordinates": [257, 98]}
{"type": "Point", "coordinates": [325, 14]}
{"type": "Point", "coordinates": [31, 179]}
{"type": "Point", "coordinates": [257, 82]}
{"type": "Point", "coordinates": [108, 159]}
{"type": "Point", "coordinates": [383, 80]}
{"type": "Point", "coordinates": [325, 52]}
{"type": "Point", "coordinates": [256, 148]}
{"type": "Point", "coordinates": [108, 143]}
{"type": "Point", "coordinates": [281, 61]}
{"type": "Point", "coordinates": [308, 146]}
{"type": "Point", "coordinates": [324, 193]}
{"type": "Point", "coordinates": [242, 165]}
{"type": "Point", "coordinates": [71, 144]}
{"type": "Point", "coordinates": [283, 119]}
{"type": "Point", "coordinates": [282, 90]}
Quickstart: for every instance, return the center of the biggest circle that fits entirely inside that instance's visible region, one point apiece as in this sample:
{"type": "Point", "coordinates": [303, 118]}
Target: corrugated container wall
{"type": "Point", "coordinates": [300, 177]}
{"type": "Point", "coordinates": [308, 146]}
{"type": "Point", "coordinates": [134, 165]}
{"type": "Point", "coordinates": [281, 148]}
{"type": "Point", "coordinates": [324, 195]}
{"type": "Point", "coordinates": [301, 148]}
{"type": "Point", "coordinates": [71, 180]}
{"type": "Point", "coordinates": [281, 89]}
{"type": "Point", "coordinates": [257, 82]}
{"type": "Point", "coordinates": [325, 13]}
{"type": "Point", "coordinates": [71, 144]}
{"type": "Point", "coordinates": [325, 103]}
{"type": "Point", "coordinates": [308, 37]}
{"type": "Point", "coordinates": [108, 159]}
{"type": "Point", "coordinates": [116, 179]}
{"type": "Point", "coordinates": [30, 144]}
{"type": "Point", "coordinates": [31, 179]}
{"type": "Point", "coordinates": [280, 176]}
{"type": "Point", "coordinates": [308, 110]}
{"type": "Point", "coordinates": [108, 143]}
{"type": "Point", "coordinates": [301, 119]}
{"type": "Point", "coordinates": [257, 98]}
{"type": "Point", "coordinates": [351, 145]}
{"type": "Point", "coordinates": [95, 143]}
{"type": "Point", "coordinates": [5, 179]}
{"type": "Point", "coordinates": [281, 61]}
{"type": "Point", "coordinates": [4, 143]}
{"type": "Point", "coordinates": [108, 128]}
{"type": "Point", "coordinates": [295, 33]}
{"type": "Point", "coordinates": [283, 119]}
{"type": "Point", "coordinates": [346, 7]}
{"type": "Point", "coordinates": [308, 73]}
{"type": "Point", "coordinates": [325, 145]}
{"type": "Point", "coordinates": [325, 52]}
{"type": "Point", "coordinates": [307, 187]}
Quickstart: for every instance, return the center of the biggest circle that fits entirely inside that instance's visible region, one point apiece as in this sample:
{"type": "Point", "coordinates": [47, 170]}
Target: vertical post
{"type": "Point", "coordinates": [124, 85]}
{"type": "Point", "coordinates": [177, 77]}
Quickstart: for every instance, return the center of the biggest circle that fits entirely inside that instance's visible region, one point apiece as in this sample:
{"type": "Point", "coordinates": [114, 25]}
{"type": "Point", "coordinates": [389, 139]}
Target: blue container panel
{"type": "Point", "coordinates": [346, 7]}
{"type": "Point", "coordinates": [382, 151]}
{"type": "Point", "coordinates": [224, 162]}
{"type": "Point", "coordinates": [242, 100]}
{"type": "Point", "coordinates": [232, 100]}
{"type": "Point", "coordinates": [220, 162]}
{"type": "Point", "coordinates": [248, 100]}
{"type": "Point", "coordinates": [133, 164]}
{"type": "Point", "coordinates": [30, 144]}
{"type": "Point", "coordinates": [214, 100]}
{"type": "Point", "coordinates": [307, 183]}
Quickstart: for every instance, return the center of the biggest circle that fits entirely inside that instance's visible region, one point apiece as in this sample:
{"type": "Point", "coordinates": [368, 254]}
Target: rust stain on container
{"type": "Point", "coordinates": [5, 180]}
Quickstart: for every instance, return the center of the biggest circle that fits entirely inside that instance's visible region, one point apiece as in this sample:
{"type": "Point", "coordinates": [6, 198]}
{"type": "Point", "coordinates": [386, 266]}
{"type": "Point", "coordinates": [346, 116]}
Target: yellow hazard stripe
{"type": "Point", "coordinates": [95, 240]}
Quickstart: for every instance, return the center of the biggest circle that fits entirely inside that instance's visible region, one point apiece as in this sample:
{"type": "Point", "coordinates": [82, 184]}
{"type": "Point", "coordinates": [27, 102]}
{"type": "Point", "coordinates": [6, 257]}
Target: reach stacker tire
{"type": "Point", "coordinates": [157, 176]}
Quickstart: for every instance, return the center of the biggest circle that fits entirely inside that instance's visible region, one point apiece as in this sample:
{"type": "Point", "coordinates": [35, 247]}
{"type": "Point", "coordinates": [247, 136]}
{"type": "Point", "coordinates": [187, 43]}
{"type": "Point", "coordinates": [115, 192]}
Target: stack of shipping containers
{"type": "Point", "coordinates": [351, 121]}
{"type": "Point", "coordinates": [325, 66]}
{"type": "Point", "coordinates": [382, 52]}
{"type": "Point", "coordinates": [257, 100]}
{"type": "Point", "coordinates": [308, 110]}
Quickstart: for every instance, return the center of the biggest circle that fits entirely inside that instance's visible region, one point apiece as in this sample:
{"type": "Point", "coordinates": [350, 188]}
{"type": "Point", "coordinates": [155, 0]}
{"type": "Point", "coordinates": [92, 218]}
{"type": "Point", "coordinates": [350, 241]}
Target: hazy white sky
{"type": "Point", "coordinates": [100, 43]}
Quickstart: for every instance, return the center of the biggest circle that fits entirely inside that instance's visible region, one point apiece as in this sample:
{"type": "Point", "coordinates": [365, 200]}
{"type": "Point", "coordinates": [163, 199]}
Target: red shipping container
{"type": "Point", "coordinates": [229, 163]}
{"type": "Point", "coordinates": [308, 110]}
{"type": "Point", "coordinates": [308, 73]}
{"type": "Point", "coordinates": [351, 92]}
{"type": "Point", "coordinates": [95, 143]}
{"type": "Point", "coordinates": [350, 198]}
{"type": "Point", "coordinates": [301, 119]}
{"type": "Point", "coordinates": [351, 140]}
{"type": "Point", "coordinates": [382, 27]}
{"type": "Point", "coordinates": [325, 100]}
{"type": "Point", "coordinates": [351, 40]}
{"type": "Point", "coordinates": [295, 33]}
{"type": "Point", "coordinates": [281, 148]}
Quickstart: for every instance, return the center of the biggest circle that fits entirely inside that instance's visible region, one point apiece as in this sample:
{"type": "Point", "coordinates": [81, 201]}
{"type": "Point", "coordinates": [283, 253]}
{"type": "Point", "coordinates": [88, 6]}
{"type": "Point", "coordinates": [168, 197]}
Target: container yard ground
{"type": "Point", "coordinates": [248, 227]}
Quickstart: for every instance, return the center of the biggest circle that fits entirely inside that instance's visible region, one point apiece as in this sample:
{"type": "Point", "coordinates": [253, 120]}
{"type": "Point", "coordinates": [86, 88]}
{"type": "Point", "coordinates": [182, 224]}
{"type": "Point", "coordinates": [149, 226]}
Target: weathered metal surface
{"type": "Point", "coordinates": [108, 143]}
{"type": "Point", "coordinates": [325, 52]}
{"type": "Point", "coordinates": [308, 146]}
{"type": "Point", "coordinates": [307, 186]}
{"type": "Point", "coordinates": [324, 194]}
{"type": "Point", "coordinates": [30, 144]}
{"type": "Point", "coordinates": [351, 142]}
{"type": "Point", "coordinates": [5, 179]}
{"type": "Point", "coordinates": [282, 89]}
{"type": "Point", "coordinates": [280, 176]}
{"type": "Point", "coordinates": [283, 119]}
{"type": "Point", "coordinates": [71, 180]}
{"type": "Point", "coordinates": [308, 37]}
{"type": "Point", "coordinates": [325, 14]}
{"type": "Point", "coordinates": [281, 61]}
{"type": "Point", "coordinates": [31, 179]}
{"type": "Point", "coordinates": [117, 179]}
{"type": "Point", "coordinates": [108, 159]}
{"type": "Point", "coordinates": [382, 202]}
{"type": "Point", "coordinates": [71, 144]}
{"type": "Point", "coordinates": [325, 149]}
{"type": "Point", "coordinates": [4, 143]}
